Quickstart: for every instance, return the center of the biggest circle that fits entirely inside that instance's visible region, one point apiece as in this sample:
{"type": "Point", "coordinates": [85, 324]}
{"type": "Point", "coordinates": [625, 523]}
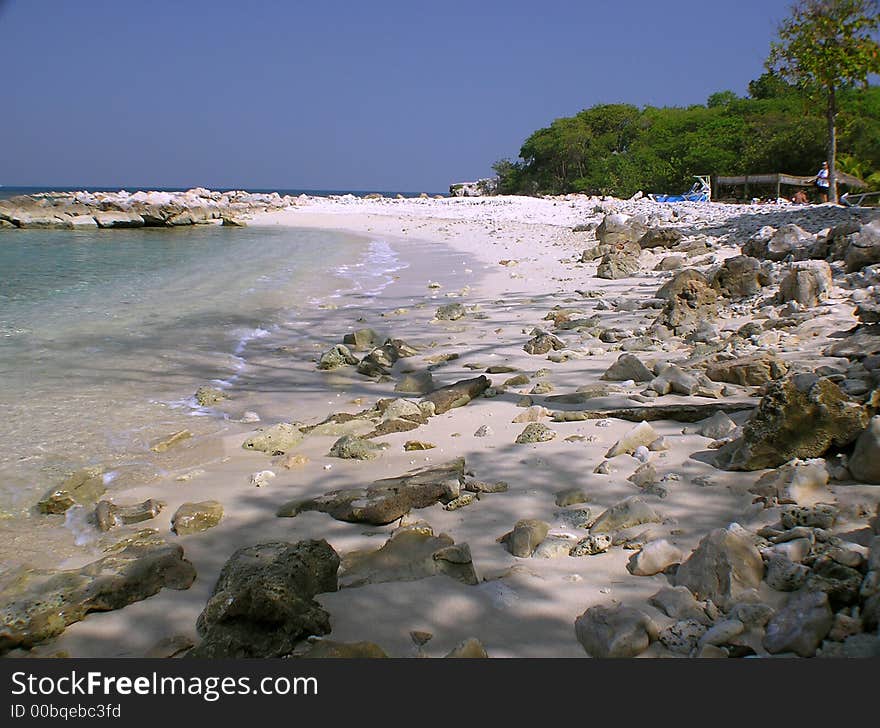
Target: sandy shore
{"type": "Point", "coordinates": [510, 263]}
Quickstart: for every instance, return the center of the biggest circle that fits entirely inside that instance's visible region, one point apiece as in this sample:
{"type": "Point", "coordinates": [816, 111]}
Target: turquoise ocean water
{"type": "Point", "coordinates": [105, 335]}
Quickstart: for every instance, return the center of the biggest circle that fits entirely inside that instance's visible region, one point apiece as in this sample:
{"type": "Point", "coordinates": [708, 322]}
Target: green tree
{"type": "Point", "coordinates": [825, 45]}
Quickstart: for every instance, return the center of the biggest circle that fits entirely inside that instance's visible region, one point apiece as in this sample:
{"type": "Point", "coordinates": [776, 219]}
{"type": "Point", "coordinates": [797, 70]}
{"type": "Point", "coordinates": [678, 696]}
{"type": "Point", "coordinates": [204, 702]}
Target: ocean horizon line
{"type": "Point", "coordinates": [5, 190]}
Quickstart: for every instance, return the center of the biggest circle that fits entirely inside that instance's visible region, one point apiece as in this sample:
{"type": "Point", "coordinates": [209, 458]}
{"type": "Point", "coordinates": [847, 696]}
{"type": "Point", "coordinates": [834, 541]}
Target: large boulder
{"type": "Point", "coordinates": [616, 631]}
{"type": "Point", "coordinates": [114, 219]}
{"type": "Point", "coordinates": [386, 500]}
{"type": "Point", "coordinates": [865, 461]}
{"type": "Point", "coordinates": [263, 602]}
{"type": "Point", "coordinates": [628, 367]}
{"type": "Point", "coordinates": [864, 248]}
{"type": "Point", "coordinates": [740, 277]}
{"type": "Point", "coordinates": [36, 605]}
{"type": "Point", "coordinates": [750, 371]}
{"type": "Point", "coordinates": [619, 228]}
{"type": "Point", "coordinates": [660, 237]}
{"type": "Point", "coordinates": [725, 565]}
{"type": "Point", "coordinates": [807, 282]}
{"type": "Point", "coordinates": [618, 264]}
{"type": "Point", "coordinates": [680, 283]}
{"type": "Point", "coordinates": [690, 302]}
{"type": "Point", "coordinates": [789, 240]}
{"type": "Point", "coordinates": [799, 482]}
{"type": "Point", "coordinates": [799, 417]}
{"type": "Point", "coordinates": [801, 625]}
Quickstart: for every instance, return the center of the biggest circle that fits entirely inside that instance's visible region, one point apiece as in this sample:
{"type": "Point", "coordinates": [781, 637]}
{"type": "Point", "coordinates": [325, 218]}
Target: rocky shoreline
{"type": "Point", "coordinates": [653, 430]}
{"type": "Point", "coordinates": [83, 210]}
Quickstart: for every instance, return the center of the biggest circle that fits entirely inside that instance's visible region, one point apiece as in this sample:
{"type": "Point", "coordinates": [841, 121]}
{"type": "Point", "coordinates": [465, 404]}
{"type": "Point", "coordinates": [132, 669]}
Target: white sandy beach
{"type": "Point", "coordinates": [510, 262]}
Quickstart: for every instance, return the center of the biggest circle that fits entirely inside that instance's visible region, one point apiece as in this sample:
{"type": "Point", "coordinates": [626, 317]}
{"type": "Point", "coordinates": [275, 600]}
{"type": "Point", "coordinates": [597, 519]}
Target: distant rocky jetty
{"type": "Point", "coordinates": [77, 210]}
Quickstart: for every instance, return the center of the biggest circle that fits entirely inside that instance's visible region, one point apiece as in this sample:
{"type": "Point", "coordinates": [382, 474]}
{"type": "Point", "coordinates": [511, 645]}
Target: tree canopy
{"type": "Point", "coordinates": [780, 126]}
{"type": "Point", "coordinates": [823, 46]}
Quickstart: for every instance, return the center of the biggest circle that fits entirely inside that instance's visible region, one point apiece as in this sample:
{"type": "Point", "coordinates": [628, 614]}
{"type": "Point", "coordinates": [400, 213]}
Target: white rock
{"type": "Point", "coordinates": [261, 478]}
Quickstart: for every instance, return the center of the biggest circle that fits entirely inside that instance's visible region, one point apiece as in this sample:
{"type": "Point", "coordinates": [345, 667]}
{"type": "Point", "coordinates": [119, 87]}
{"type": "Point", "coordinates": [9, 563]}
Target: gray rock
{"type": "Point", "coordinates": [458, 394]}
{"type": "Point", "coordinates": [591, 545]}
{"type": "Point", "coordinates": [525, 537]}
{"type": "Point", "coordinates": [413, 552]}
{"type": "Point", "coordinates": [841, 583]}
{"type": "Point", "coordinates": [115, 219]}
{"type": "Point", "coordinates": [682, 637]}
{"type": "Point", "coordinates": [275, 440]}
{"type": "Point", "coordinates": [352, 447]}
{"type": "Point", "coordinates": [679, 603]}
{"type": "Point", "coordinates": [800, 626]}
{"type": "Point", "coordinates": [450, 312]}
{"type": "Point", "coordinates": [616, 265]}
{"type": "Point", "coordinates": [641, 434]}
{"type": "Point", "coordinates": [723, 632]}
{"type": "Point", "coordinates": [864, 248]}
{"type": "Point", "coordinates": [535, 432]}
{"type": "Point", "coordinates": [83, 487]}
{"type": "Point", "coordinates": [554, 547]}
{"type": "Point", "coordinates": [617, 228]}
{"type": "Point", "coordinates": [807, 282]}
{"type": "Point", "coordinates": [386, 500]}
{"type": "Point", "coordinates": [209, 396]}
{"type": "Point", "coordinates": [717, 426]}
{"type": "Point", "coordinates": [628, 367]}
{"type": "Point", "coordinates": [616, 631]}
{"type": "Point", "coordinates": [818, 516]}
{"type": "Point", "coordinates": [263, 603]}
{"type": "Point", "coordinates": [624, 514]}
{"type": "Point", "coordinates": [725, 565]}
{"type": "Point", "coordinates": [362, 340]}
{"type": "Point", "coordinates": [785, 575]}
{"type": "Point", "coordinates": [740, 277]}
{"type": "Point", "coordinates": [802, 482]}
{"type": "Point", "coordinates": [37, 605]}
{"type": "Point", "coordinates": [798, 417]}
{"type": "Point", "coordinates": [653, 558]}
{"type": "Point", "coordinates": [195, 517]}
{"type": "Point", "coordinates": [752, 614]}
{"type": "Point", "coordinates": [336, 357]}
{"type": "Point", "coordinates": [109, 515]}
{"type": "Point", "coordinates": [864, 464]}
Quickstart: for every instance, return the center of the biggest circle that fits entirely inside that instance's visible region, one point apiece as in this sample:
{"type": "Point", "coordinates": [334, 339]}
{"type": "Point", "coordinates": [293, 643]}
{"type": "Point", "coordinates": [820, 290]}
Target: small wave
{"type": "Point", "coordinates": [77, 521]}
{"type": "Point", "coordinates": [249, 335]}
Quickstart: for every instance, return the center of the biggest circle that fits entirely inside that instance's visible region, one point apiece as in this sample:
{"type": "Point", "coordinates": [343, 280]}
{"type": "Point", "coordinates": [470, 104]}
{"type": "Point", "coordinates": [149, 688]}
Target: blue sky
{"type": "Point", "coordinates": [381, 95]}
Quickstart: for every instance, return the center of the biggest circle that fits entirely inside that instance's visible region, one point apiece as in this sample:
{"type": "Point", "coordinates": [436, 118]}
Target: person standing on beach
{"type": "Point", "coordinates": [822, 182]}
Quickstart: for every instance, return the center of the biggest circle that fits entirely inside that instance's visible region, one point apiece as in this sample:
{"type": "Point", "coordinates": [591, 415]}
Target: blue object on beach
{"type": "Point", "coordinates": [700, 192]}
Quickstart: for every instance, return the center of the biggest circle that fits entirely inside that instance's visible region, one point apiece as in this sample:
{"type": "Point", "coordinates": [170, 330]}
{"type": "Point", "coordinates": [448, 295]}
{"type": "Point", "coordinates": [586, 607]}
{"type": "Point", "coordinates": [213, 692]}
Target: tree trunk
{"type": "Point", "coordinates": [832, 145]}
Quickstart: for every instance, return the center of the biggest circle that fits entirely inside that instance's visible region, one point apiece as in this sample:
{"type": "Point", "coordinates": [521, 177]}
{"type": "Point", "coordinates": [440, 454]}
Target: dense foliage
{"type": "Point", "coordinates": [619, 149]}
{"type": "Point", "coordinates": [823, 46]}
